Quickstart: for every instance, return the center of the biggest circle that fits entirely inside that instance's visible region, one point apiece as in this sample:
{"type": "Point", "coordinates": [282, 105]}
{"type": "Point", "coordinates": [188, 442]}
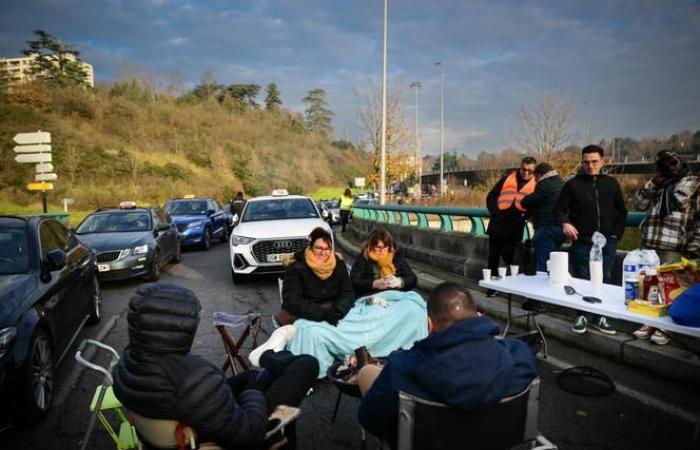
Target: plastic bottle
{"type": "Point", "coordinates": [630, 275]}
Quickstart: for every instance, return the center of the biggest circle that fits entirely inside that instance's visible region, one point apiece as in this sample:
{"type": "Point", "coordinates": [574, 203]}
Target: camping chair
{"type": "Point", "coordinates": [250, 324]}
{"type": "Point", "coordinates": [511, 423]}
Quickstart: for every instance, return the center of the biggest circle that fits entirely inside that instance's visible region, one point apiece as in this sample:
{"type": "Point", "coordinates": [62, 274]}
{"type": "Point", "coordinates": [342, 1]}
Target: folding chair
{"type": "Point", "coordinates": [511, 423]}
{"type": "Point", "coordinates": [250, 324]}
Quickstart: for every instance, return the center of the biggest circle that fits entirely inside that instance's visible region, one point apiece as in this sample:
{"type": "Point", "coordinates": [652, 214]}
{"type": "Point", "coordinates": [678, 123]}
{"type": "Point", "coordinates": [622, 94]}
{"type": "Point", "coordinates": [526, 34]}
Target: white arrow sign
{"type": "Point", "coordinates": [33, 158]}
{"type": "Point", "coordinates": [40, 137]}
{"type": "Point", "coordinates": [45, 176]}
{"type": "Point", "coordinates": [36, 148]}
{"type": "Point", "coordinates": [44, 168]}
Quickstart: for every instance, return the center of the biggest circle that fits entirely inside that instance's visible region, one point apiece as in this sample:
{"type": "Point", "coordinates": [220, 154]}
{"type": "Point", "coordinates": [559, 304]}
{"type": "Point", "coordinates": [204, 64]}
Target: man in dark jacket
{"type": "Point", "coordinates": [507, 214]}
{"type": "Point", "coordinates": [461, 364]}
{"type": "Point", "coordinates": [589, 202]}
{"type": "Point", "coordinates": [158, 378]}
{"type": "Point", "coordinates": [541, 204]}
{"type": "Point", "coordinates": [237, 204]}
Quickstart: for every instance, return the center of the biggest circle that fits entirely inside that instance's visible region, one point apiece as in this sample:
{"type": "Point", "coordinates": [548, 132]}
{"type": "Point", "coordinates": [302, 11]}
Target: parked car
{"type": "Point", "coordinates": [199, 220]}
{"type": "Point", "coordinates": [130, 242]}
{"type": "Point", "coordinates": [333, 208]}
{"type": "Point", "coordinates": [48, 291]}
{"type": "Point", "coordinates": [270, 228]}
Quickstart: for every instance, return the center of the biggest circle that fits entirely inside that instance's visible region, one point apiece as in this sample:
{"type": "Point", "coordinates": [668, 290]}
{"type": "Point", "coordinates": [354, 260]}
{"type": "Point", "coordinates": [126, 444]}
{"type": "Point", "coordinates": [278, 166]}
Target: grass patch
{"type": "Point", "coordinates": [327, 192]}
{"type": "Point", "coordinates": [74, 217]}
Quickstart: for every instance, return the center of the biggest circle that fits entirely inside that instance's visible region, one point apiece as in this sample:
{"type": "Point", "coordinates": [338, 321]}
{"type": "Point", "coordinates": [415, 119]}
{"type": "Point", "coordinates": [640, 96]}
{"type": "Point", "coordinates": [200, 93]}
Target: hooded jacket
{"type": "Point", "coordinates": [463, 366]}
{"type": "Point", "coordinates": [159, 379]}
{"type": "Point", "coordinates": [543, 201]}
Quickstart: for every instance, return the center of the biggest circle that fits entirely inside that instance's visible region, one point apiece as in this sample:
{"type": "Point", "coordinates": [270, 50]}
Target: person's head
{"type": "Point", "coordinates": [380, 242]}
{"type": "Point", "coordinates": [163, 319]}
{"type": "Point", "coordinates": [527, 168]}
{"type": "Point", "coordinates": [668, 163]}
{"type": "Point", "coordinates": [448, 304]}
{"type": "Point", "coordinates": [239, 194]}
{"type": "Point", "coordinates": [592, 159]}
{"type": "Point", "coordinates": [348, 192]}
{"type": "Point", "coordinates": [321, 244]}
{"type": "Point", "coordinates": [541, 169]}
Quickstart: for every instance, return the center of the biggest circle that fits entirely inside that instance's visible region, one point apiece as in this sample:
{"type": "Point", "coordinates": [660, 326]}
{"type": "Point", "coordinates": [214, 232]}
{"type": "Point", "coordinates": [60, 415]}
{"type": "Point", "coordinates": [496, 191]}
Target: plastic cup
{"type": "Point", "coordinates": [514, 270]}
{"type": "Point", "coordinates": [486, 274]}
{"type": "Point", "coordinates": [502, 272]}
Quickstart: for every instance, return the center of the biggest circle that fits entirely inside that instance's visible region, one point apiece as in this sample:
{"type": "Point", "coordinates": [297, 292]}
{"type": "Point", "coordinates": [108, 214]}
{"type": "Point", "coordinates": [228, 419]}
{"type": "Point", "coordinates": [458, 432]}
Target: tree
{"type": "Point", "coordinates": [208, 87]}
{"type": "Point", "coordinates": [243, 95]}
{"type": "Point", "coordinates": [55, 61]}
{"type": "Point", "coordinates": [546, 126]}
{"type": "Point", "coordinates": [319, 119]}
{"type": "Point", "coordinates": [272, 97]}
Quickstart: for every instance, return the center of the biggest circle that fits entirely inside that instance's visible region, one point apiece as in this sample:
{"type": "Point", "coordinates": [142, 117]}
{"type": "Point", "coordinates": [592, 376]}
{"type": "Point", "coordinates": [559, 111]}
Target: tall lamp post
{"type": "Point", "coordinates": [442, 129]}
{"type": "Point", "coordinates": [417, 155]}
{"type": "Point", "coordinates": [382, 176]}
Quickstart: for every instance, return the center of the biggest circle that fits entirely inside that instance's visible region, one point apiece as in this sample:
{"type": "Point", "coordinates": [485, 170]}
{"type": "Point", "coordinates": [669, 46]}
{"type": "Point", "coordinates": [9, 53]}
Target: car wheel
{"type": "Point", "coordinates": [206, 240]}
{"type": "Point", "coordinates": [154, 273]}
{"type": "Point", "coordinates": [38, 390]}
{"type": "Point", "coordinates": [96, 306]}
{"type": "Point", "coordinates": [178, 253]}
{"type": "Point", "coordinates": [238, 278]}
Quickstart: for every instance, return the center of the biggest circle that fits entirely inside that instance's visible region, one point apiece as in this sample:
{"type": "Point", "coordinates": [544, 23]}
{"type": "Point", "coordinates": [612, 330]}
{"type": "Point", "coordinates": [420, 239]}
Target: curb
{"type": "Point", "coordinates": [667, 361]}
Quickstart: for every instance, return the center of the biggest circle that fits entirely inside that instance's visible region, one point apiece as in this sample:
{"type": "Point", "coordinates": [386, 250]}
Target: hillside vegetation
{"type": "Point", "coordinates": [126, 144]}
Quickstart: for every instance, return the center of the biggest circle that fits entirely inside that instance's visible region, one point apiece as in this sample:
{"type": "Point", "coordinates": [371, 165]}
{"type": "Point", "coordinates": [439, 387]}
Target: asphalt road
{"type": "Point", "coordinates": [644, 413]}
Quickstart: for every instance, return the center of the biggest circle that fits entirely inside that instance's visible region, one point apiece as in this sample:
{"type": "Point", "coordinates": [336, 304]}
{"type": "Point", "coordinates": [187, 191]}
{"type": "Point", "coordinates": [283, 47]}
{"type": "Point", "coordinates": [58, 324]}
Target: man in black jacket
{"type": "Point", "coordinates": [589, 202]}
{"type": "Point", "coordinates": [158, 378]}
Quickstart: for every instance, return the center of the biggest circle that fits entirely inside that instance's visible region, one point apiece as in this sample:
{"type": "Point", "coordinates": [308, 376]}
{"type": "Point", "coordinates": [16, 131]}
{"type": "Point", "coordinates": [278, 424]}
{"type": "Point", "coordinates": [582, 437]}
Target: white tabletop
{"type": "Point", "coordinates": [613, 301]}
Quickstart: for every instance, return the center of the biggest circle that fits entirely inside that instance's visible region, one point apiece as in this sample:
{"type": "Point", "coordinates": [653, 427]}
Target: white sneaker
{"type": "Point", "coordinates": [660, 338]}
{"type": "Point", "coordinates": [277, 342]}
{"type": "Point", "coordinates": [644, 333]}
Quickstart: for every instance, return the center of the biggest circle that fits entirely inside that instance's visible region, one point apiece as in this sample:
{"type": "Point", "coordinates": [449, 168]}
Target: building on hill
{"type": "Point", "coordinates": [18, 70]}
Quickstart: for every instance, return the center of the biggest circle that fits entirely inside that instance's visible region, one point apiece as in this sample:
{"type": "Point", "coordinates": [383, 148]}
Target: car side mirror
{"type": "Point", "coordinates": [56, 259]}
{"type": "Point", "coordinates": [164, 227]}
{"type": "Point", "coordinates": [210, 212]}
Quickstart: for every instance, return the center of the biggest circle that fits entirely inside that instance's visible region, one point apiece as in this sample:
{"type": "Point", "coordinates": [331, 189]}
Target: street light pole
{"type": "Point", "coordinates": [382, 176]}
{"type": "Point", "coordinates": [417, 155]}
{"type": "Point", "coordinates": [442, 128]}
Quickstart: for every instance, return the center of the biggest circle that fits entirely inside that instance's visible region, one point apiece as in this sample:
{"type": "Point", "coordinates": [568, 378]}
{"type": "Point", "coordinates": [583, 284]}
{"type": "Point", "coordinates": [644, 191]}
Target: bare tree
{"type": "Point", "coordinates": [545, 127]}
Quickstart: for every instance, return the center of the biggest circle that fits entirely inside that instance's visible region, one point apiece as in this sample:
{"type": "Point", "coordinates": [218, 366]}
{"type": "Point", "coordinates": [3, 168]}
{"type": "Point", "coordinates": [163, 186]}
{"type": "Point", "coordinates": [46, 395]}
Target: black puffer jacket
{"type": "Point", "coordinates": [365, 271]}
{"type": "Point", "coordinates": [159, 379]}
{"type": "Point", "coordinates": [304, 292]}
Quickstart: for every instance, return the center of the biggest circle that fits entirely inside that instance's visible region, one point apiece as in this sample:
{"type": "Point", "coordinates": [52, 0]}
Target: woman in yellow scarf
{"type": "Point", "coordinates": [381, 266]}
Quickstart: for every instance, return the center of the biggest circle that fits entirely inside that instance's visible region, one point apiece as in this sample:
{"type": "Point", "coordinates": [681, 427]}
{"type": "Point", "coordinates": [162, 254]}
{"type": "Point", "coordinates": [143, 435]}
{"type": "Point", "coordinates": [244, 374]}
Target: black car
{"type": "Point", "coordinates": [130, 242]}
{"type": "Point", "coordinates": [48, 291]}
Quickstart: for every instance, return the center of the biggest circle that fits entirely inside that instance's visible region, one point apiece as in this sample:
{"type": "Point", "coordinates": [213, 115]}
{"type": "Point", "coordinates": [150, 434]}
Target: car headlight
{"type": "Point", "coordinates": [124, 253]}
{"type": "Point", "coordinates": [140, 250]}
{"type": "Point", "coordinates": [195, 224]}
{"type": "Point", "coordinates": [7, 336]}
{"type": "Point", "coordinates": [241, 240]}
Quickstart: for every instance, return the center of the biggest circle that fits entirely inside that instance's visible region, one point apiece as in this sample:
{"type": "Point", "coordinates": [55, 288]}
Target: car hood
{"type": "Point", "coordinates": [187, 219]}
{"type": "Point", "coordinates": [14, 290]}
{"type": "Point", "coordinates": [279, 228]}
{"type": "Point", "coordinates": [102, 242]}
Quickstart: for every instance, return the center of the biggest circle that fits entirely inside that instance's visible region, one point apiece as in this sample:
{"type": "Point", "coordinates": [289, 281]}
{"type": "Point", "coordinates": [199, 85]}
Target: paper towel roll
{"type": "Point", "coordinates": [558, 268]}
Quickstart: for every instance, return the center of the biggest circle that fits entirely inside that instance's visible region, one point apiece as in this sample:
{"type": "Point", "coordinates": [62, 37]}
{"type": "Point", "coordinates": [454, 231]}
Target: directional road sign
{"type": "Point", "coordinates": [33, 148]}
{"type": "Point", "coordinates": [45, 177]}
{"type": "Point", "coordinates": [44, 168]}
{"type": "Point", "coordinates": [43, 186]}
{"type": "Point", "coordinates": [40, 137]}
{"type": "Point", "coordinates": [33, 158]}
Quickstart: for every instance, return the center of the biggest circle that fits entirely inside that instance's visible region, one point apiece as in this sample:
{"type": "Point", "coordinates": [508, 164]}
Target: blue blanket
{"type": "Point", "coordinates": [381, 329]}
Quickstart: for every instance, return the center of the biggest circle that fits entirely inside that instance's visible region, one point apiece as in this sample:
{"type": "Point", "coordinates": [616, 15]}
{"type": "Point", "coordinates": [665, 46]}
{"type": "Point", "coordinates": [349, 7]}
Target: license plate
{"type": "Point", "coordinates": [276, 257]}
{"type": "Point", "coordinates": [103, 267]}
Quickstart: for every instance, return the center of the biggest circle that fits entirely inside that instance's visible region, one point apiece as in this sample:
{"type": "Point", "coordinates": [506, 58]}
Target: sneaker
{"type": "Point", "coordinates": [490, 293]}
{"type": "Point", "coordinates": [660, 338]}
{"type": "Point", "coordinates": [580, 326]}
{"type": "Point", "coordinates": [644, 333]}
{"type": "Point", "coordinates": [277, 342]}
{"type": "Point", "coordinates": [601, 324]}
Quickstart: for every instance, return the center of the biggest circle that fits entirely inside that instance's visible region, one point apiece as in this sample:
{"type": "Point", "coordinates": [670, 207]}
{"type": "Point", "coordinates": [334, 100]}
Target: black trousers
{"type": "Point", "coordinates": [500, 248]}
{"type": "Point", "coordinates": [344, 216]}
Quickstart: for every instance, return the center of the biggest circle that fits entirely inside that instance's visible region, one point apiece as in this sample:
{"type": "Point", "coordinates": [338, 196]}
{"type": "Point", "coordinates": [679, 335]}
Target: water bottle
{"type": "Point", "coordinates": [630, 275]}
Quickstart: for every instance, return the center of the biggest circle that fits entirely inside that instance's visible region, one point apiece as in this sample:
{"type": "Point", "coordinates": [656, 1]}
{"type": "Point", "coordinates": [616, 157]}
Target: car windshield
{"type": "Point", "coordinates": [279, 209]}
{"type": "Point", "coordinates": [116, 222]}
{"type": "Point", "coordinates": [187, 208]}
{"type": "Point", "coordinates": [14, 252]}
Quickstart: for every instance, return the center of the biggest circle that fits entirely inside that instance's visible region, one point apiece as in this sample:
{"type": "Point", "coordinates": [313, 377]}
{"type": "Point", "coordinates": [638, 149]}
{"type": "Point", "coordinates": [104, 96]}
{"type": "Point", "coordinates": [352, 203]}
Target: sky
{"type": "Point", "coordinates": [630, 67]}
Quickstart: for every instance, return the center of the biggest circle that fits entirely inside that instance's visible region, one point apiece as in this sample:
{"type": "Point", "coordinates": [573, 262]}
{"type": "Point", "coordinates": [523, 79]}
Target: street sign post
{"type": "Point", "coordinates": [42, 186]}
{"type": "Point", "coordinates": [33, 158]}
{"type": "Point", "coordinates": [45, 177]}
{"type": "Point", "coordinates": [36, 148]}
{"type": "Point", "coordinates": [44, 168]}
{"type": "Point", "coordinates": [40, 137]}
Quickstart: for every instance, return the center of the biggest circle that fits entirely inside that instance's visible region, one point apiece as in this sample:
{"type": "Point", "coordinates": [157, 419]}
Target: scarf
{"type": "Point", "coordinates": [321, 269]}
{"type": "Point", "coordinates": [385, 263]}
{"type": "Point", "coordinates": [669, 202]}
{"type": "Point", "coordinates": [551, 173]}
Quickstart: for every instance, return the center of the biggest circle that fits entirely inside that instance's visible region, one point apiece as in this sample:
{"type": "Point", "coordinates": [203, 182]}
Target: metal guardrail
{"type": "Point", "coordinates": [421, 216]}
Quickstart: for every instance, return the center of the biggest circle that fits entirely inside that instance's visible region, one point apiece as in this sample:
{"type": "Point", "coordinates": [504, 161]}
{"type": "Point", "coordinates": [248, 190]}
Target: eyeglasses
{"type": "Point", "coordinates": [592, 162]}
{"type": "Point", "coordinates": [321, 249]}
{"type": "Point", "coordinates": [527, 170]}
{"type": "Point", "coordinates": [381, 248]}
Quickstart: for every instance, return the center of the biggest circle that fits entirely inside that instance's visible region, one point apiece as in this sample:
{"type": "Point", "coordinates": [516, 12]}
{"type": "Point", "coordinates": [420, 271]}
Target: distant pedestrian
{"type": "Point", "coordinates": [346, 201]}
{"type": "Point", "coordinates": [238, 204]}
{"type": "Point", "coordinates": [672, 224]}
{"type": "Point", "coordinates": [542, 204]}
{"type": "Point", "coordinates": [508, 215]}
{"type": "Point", "coordinates": [592, 201]}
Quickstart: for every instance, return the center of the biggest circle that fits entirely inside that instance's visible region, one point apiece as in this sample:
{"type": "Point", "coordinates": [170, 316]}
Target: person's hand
{"type": "Point", "coordinates": [394, 282]}
{"type": "Point", "coordinates": [380, 284]}
{"type": "Point", "coordinates": [658, 180]}
{"type": "Point", "coordinates": [258, 379]}
{"type": "Point", "coordinates": [570, 231]}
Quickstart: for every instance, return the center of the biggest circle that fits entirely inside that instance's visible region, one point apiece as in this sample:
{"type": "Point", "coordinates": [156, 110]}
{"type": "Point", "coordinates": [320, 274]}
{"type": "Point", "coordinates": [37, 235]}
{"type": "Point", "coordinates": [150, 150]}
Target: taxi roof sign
{"type": "Point", "coordinates": [279, 192]}
{"type": "Point", "coordinates": [130, 204]}
{"type": "Point", "coordinates": [188, 196]}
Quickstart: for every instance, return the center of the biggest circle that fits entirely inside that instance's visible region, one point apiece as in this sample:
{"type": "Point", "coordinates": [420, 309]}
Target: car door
{"type": "Point", "coordinates": [167, 239]}
{"type": "Point", "coordinates": [217, 218]}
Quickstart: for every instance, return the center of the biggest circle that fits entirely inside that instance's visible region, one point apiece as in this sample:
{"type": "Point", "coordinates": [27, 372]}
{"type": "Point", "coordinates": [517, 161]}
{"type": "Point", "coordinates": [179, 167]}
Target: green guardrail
{"type": "Point", "coordinates": [418, 216]}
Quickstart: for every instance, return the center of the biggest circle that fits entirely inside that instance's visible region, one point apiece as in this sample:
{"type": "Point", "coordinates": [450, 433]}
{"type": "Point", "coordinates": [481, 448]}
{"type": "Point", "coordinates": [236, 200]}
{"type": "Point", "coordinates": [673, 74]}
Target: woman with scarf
{"type": "Point", "coordinates": [381, 266]}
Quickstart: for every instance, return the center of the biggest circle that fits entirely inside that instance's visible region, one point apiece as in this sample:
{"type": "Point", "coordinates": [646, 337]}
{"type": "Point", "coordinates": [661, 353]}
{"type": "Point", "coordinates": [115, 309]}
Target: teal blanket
{"type": "Point", "coordinates": [382, 329]}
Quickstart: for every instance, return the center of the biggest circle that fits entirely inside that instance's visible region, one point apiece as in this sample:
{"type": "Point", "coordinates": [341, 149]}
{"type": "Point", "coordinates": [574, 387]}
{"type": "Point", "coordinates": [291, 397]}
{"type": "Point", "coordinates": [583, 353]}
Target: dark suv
{"type": "Point", "coordinates": [199, 220]}
{"type": "Point", "coordinates": [48, 291]}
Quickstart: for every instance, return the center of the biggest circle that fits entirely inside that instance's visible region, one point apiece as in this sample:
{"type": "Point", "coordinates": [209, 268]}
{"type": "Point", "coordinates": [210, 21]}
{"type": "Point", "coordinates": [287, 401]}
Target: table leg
{"type": "Point", "coordinates": [539, 330]}
{"type": "Point", "coordinates": [337, 405]}
{"type": "Point", "coordinates": [505, 330]}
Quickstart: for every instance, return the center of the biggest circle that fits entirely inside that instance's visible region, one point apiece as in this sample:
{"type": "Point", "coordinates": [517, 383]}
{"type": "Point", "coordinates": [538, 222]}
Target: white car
{"type": "Point", "coordinates": [271, 227]}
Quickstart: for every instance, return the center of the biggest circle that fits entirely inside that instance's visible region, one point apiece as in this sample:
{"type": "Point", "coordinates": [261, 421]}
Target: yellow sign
{"type": "Point", "coordinates": [40, 186]}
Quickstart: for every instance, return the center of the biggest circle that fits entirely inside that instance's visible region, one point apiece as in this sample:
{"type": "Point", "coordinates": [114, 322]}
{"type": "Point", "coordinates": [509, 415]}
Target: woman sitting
{"type": "Point", "coordinates": [381, 266]}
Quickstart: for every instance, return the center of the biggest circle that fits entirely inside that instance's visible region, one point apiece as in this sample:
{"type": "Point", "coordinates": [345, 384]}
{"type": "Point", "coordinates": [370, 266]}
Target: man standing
{"type": "Point", "coordinates": [541, 204]}
{"type": "Point", "coordinates": [508, 216]}
{"type": "Point", "coordinates": [672, 225]}
{"type": "Point", "coordinates": [237, 204]}
{"type": "Point", "coordinates": [589, 202]}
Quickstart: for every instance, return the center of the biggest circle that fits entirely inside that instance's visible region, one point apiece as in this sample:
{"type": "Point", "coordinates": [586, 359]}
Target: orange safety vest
{"type": "Point", "coordinates": [509, 192]}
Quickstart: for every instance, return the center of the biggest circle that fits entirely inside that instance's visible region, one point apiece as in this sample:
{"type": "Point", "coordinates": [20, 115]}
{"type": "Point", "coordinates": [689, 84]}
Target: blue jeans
{"type": "Point", "coordinates": [580, 256]}
{"type": "Point", "coordinates": [548, 238]}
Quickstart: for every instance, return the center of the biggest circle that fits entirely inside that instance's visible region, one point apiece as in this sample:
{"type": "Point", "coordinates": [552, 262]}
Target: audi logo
{"type": "Point", "coordinates": [282, 245]}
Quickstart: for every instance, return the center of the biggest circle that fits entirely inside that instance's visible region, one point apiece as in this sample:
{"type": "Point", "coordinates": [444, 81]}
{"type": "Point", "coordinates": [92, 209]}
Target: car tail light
{"type": "Point", "coordinates": [7, 337]}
